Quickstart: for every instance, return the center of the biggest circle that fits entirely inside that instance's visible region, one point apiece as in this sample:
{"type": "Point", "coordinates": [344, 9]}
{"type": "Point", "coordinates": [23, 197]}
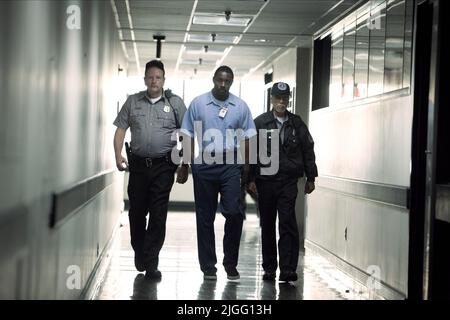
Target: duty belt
{"type": "Point", "coordinates": [148, 162]}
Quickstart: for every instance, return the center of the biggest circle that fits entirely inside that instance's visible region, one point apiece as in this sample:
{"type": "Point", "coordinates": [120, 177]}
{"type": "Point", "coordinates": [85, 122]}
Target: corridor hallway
{"type": "Point", "coordinates": [183, 280]}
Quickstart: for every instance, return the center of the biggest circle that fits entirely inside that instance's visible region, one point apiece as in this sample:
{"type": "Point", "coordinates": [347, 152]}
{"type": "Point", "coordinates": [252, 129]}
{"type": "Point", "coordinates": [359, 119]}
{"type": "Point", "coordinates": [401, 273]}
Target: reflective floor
{"type": "Point", "coordinates": [183, 280]}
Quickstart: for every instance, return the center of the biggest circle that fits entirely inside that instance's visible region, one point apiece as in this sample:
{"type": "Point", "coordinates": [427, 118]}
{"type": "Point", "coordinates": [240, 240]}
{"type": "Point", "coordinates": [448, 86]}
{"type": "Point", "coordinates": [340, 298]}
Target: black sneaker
{"type": "Point", "coordinates": [288, 276]}
{"type": "Point", "coordinates": [209, 275]}
{"type": "Point", "coordinates": [233, 274]}
{"type": "Point", "coordinates": [269, 276]}
{"type": "Point", "coordinates": [153, 274]}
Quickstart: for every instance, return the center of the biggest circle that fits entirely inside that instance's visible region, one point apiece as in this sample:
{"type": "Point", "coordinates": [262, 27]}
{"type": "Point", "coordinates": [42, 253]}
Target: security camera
{"type": "Point", "coordinates": [227, 15]}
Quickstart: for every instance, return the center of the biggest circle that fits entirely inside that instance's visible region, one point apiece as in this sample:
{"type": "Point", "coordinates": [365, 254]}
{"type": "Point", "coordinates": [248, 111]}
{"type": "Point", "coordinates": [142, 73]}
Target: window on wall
{"type": "Point", "coordinates": [337, 45]}
{"type": "Point", "coordinates": [409, 7]}
{"type": "Point", "coordinates": [361, 55]}
{"type": "Point", "coordinates": [376, 47]}
{"type": "Point", "coordinates": [370, 52]}
{"type": "Point", "coordinates": [321, 72]}
{"type": "Point", "coordinates": [348, 62]}
{"type": "Point", "coordinates": [395, 34]}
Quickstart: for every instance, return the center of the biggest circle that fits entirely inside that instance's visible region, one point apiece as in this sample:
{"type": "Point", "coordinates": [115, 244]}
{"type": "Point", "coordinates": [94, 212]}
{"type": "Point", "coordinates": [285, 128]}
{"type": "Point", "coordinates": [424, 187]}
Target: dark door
{"type": "Point", "coordinates": [422, 46]}
{"type": "Point", "coordinates": [429, 247]}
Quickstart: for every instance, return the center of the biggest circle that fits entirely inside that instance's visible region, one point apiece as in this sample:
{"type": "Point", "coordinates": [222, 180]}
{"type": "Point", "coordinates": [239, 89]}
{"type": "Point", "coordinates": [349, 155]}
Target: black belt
{"type": "Point", "coordinates": [148, 162]}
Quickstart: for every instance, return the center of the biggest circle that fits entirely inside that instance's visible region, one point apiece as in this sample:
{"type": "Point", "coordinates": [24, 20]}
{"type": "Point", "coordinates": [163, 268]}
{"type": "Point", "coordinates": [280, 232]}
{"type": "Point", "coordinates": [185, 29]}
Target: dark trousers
{"type": "Point", "coordinates": [148, 193]}
{"type": "Point", "coordinates": [278, 196]}
{"type": "Point", "coordinates": [209, 182]}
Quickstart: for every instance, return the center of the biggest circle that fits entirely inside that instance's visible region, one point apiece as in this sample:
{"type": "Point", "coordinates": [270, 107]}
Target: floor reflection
{"type": "Point", "coordinates": [145, 289]}
{"type": "Point", "coordinates": [207, 290]}
{"type": "Point", "coordinates": [230, 291]}
{"type": "Point", "coordinates": [268, 290]}
{"type": "Point", "coordinates": [183, 280]}
{"type": "Point", "coordinates": [289, 291]}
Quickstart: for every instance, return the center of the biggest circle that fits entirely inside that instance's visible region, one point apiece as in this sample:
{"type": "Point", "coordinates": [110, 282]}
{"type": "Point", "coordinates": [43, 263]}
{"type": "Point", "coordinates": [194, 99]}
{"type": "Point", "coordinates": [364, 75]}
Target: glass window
{"type": "Point", "coordinates": [409, 5]}
{"type": "Point", "coordinates": [371, 51]}
{"type": "Point", "coordinates": [395, 30]}
{"type": "Point", "coordinates": [348, 62]}
{"type": "Point", "coordinates": [361, 55]}
{"type": "Point", "coordinates": [376, 47]}
{"type": "Point", "coordinates": [336, 66]}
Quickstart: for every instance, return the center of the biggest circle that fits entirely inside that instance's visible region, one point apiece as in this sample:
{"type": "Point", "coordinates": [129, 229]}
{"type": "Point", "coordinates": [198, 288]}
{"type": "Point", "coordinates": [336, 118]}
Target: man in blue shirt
{"type": "Point", "coordinates": [221, 123]}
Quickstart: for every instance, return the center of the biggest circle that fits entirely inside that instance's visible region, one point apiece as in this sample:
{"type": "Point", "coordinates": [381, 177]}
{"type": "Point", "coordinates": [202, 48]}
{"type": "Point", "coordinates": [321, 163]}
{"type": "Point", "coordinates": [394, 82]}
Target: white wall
{"type": "Point", "coordinates": [59, 100]}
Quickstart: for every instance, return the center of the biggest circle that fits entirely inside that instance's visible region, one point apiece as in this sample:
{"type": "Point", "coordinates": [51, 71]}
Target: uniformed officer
{"type": "Point", "coordinates": [152, 116]}
{"type": "Point", "coordinates": [277, 192]}
{"type": "Point", "coordinates": [213, 118]}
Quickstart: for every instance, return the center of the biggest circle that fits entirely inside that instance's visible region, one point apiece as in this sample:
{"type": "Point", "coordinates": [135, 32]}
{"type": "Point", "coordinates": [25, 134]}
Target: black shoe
{"type": "Point", "coordinates": [139, 263]}
{"type": "Point", "coordinates": [233, 274]}
{"type": "Point", "coordinates": [209, 275]}
{"type": "Point", "coordinates": [269, 276]}
{"type": "Point", "coordinates": [153, 274]}
{"type": "Point", "coordinates": [288, 276]}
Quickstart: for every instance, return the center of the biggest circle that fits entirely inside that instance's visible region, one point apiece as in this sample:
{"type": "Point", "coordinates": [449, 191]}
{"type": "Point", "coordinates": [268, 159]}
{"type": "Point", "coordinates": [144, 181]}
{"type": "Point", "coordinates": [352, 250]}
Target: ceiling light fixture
{"type": "Point", "coordinates": [158, 39]}
{"type": "Point", "coordinates": [223, 19]}
{"type": "Point", "coordinates": [212, 37]}
{"type": "Point", "coordinates": [227, 15]}
{"type": "Point", "coordinates": [196, 62]}
{"type": "Point", "coordinates": [201, 50]}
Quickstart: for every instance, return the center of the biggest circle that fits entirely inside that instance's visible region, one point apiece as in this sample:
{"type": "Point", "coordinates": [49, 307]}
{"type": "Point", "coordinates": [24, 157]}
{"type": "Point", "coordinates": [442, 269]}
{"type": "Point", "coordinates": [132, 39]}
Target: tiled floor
{"type": "Point", "coordinates": [183, 280]}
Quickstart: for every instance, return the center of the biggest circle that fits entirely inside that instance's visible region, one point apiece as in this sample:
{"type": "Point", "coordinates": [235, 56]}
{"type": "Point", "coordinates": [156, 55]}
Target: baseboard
{"type": "Point", "coordinates": [99, 271]}
{"type": "Point", "coordinates": [361, 278]}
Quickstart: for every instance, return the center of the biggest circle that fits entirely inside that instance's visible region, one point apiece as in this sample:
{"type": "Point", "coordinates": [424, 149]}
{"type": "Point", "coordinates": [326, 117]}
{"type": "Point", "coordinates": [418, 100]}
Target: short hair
{"type": "Point", "coordinates": [155, 64]}
{"type": "Point", "coordinates": [226, 69]}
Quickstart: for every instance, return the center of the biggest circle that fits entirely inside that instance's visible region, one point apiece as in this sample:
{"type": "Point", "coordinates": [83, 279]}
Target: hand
{"type": "Point", "coordinates": [309, 187]}
{"type": "Point", "coordinates": [252, 188]}
{"type": "Point", "coordinates": [121, 163]}
{"type": "Point", "coordinates": [182, 174]}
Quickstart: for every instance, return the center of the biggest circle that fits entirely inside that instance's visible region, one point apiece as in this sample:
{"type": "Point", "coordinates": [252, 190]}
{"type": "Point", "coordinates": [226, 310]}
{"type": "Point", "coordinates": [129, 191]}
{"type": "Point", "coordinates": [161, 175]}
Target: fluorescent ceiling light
{"type": "Point", "coordinates": [192, 37]}
{"type": "Point", "coordinates": [196, 62]}
{"type": "Point", "coordinates": [201, 50]}
{"type": "Point", "coordinates": [235, 20]}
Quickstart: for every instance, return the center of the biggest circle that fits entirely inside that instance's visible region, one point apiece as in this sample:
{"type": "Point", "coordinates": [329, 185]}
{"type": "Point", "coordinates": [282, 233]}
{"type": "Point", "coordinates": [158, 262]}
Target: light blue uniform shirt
{"type": "Point", "coordinates": [203, 119]}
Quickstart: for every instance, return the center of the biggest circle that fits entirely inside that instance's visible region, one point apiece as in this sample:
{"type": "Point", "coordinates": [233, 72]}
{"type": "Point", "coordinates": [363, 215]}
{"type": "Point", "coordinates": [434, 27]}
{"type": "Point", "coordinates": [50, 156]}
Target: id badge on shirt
{"type": "Point", "coordinates": [223, 112]}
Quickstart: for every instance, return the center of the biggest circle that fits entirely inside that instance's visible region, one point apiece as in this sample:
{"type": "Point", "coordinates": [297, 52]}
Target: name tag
{"type": "Point", "coordinates": [223, 112]}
